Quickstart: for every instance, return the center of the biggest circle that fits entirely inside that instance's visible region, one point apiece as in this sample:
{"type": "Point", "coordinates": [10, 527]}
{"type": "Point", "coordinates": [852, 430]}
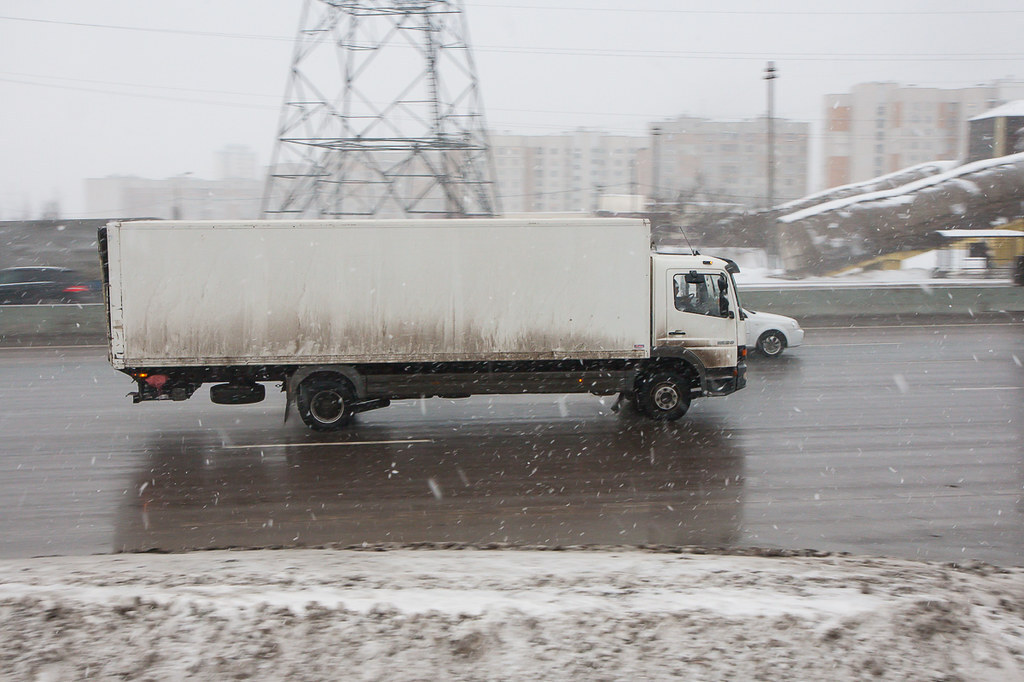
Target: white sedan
{"type": "Point", "coordinates": [771, 334]}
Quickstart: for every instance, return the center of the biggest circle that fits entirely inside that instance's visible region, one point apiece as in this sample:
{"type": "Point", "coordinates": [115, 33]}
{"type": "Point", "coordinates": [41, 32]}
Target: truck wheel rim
{"type": "Point", "coordinates": [327, 407]}
{"type": "Point", "coordinates": [666, 397]}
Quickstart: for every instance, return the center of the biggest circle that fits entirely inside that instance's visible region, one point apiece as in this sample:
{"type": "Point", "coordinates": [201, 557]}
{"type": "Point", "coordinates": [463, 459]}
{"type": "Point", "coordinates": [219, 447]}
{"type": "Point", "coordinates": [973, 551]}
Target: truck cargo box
{"type": "Point", "coordinates": [272, 292]}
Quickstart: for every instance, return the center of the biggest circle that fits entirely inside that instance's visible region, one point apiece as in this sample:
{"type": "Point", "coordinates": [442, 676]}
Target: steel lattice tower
{"type": "Point", "coordinates": [382, 115]}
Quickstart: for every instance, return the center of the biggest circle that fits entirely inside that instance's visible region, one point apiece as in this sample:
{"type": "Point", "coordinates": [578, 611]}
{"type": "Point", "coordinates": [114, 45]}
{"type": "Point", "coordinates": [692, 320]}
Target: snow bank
{"type": "Point", "coordinates": [905, 193]}
{"type": "Point", "coordinates": [895, 178]}
{"type": "Point", "coordinates": [417, 614]}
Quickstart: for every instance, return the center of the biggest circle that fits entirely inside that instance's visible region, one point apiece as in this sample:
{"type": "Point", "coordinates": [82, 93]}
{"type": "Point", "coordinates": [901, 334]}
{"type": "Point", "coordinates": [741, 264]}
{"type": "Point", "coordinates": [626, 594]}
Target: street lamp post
{"type": "Point", "coordinates": [770, 74]}
{"type": "Point", "coordinates": [655, 163]}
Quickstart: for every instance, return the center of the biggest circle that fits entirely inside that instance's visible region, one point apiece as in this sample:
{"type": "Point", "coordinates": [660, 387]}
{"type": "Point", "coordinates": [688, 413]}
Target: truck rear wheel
{"type": "Point", "coordinates": [664, 396]}
{"type": "Point", "coordinates": [325, 401]}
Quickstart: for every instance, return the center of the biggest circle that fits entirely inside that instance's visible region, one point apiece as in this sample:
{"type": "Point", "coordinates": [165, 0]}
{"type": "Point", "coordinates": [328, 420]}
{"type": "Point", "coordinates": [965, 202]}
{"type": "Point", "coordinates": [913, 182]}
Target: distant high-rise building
{"type": "Point", "coordinates": [235, 194]}
{"type": "Point", "coordinates": [568, 172]}
{"type": "Point", "coordinates": [880, 128]}
{"type": "Point", "coordinates": [181, 197]}
{"type": "Point", "coordinates": [236, 162]}
{"type": "Point", "coordinates": [698, 159]}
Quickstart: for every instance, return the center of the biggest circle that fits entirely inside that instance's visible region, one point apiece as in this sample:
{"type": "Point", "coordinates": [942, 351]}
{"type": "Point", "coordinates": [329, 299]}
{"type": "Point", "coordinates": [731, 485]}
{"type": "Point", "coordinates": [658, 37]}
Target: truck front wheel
{"type": "Point", "coordinates": [325, 402]}
{"type": "Point", "coordinates": [664, 396]}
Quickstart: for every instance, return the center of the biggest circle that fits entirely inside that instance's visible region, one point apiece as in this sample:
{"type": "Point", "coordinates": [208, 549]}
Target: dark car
{"type": "Point", "coordinates": [43, 284]}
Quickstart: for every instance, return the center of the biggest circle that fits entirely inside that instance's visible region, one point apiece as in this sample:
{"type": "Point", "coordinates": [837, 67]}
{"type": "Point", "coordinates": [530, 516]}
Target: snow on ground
{"type": "Point", "coordinates": [505, 614]}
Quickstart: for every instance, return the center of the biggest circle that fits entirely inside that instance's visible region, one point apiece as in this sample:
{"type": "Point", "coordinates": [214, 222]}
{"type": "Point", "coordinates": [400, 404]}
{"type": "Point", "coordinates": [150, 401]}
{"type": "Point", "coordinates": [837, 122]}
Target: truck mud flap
{"type": "Point", "coordinates": [367, 405]}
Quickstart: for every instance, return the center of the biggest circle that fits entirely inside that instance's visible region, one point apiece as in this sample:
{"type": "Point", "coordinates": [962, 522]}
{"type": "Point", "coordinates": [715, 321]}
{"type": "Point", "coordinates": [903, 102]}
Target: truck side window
{"type": "Point", "coordinates": [700, 294]}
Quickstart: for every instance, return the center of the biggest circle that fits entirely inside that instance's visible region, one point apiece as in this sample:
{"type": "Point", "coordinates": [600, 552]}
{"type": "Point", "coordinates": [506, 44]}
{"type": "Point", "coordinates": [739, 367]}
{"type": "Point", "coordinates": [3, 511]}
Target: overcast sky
{"type": "Point", "coordinates": [109, 87]}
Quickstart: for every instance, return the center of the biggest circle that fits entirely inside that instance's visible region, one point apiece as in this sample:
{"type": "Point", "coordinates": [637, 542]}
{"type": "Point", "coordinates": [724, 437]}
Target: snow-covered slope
{"type": "Point", "coordinates": [429, 614]}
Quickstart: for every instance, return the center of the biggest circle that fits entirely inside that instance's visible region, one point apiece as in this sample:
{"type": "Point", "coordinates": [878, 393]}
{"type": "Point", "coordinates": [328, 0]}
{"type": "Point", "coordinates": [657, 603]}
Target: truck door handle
{"type": "Point", "coordinates": [677, 332]}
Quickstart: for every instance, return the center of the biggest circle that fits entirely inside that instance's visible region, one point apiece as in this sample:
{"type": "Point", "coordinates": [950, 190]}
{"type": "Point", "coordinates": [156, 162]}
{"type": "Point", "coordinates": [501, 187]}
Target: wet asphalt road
{"type": "Point", "coordinates": [903, 441]}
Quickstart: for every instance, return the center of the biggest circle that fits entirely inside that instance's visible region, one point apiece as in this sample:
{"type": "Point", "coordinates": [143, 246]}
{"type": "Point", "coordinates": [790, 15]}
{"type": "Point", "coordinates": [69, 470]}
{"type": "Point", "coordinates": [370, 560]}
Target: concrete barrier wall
{"type": "Point", "coordinates": [842, 300]}
{"type": "Point", "coordinates": [41, 325]}
{"type": "Point", "coordinates": [31, 325]}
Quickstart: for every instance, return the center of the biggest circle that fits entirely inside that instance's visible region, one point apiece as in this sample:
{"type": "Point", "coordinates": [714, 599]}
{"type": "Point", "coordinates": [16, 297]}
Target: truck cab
{"type": "Point", "coordinates": [696, 317]}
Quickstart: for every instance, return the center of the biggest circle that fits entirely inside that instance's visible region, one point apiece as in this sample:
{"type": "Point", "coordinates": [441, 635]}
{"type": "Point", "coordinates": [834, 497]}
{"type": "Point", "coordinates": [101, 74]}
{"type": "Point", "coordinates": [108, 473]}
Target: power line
{"type": "Point", "coordinates": [580, 52]}
{"type": "Point", "coordinates": [191, 100]}
{"type": "Point", "coordinates": [12, 76]}
{"type": "Point", "coordinates": [754, 12]}
{"type": "Point", "coordinates": [124, 84]}
{"type": "Point", "coordinates": [148, 29]}
{"type": "Point", "coordinates": [142, 95]}
{"type": "Point", "coordinates": [558, 130]}
{"type": "Point", "coordinates": [791, 56]}
{"type": "Point", "coordinates": [562, 129]}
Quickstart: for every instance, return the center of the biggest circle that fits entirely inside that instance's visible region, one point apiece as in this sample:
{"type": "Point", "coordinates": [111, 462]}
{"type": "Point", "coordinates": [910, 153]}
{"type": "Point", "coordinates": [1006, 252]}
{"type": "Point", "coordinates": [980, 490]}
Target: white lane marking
{"type": "Point", "coordinates": [317, 445]}
{"type": "Point", "coordinates": [990, 388]}
{"type": "Point", "coordinates": [920, 326]}
{"type": "Point", "coordinates": [833, 345]}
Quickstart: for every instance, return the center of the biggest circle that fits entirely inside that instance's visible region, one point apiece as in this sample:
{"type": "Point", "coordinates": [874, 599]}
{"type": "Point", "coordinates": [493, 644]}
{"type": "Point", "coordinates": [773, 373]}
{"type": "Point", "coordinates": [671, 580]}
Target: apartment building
{"type": "Point", "coordinates": [234, 194]}
{"type": "Point", "coordinates": [182, 197]}
{"type": "Point", "coordinates": [725, 161]}
{"type": "Point", "coordinates": [563, 173]}
{"type": "Point", "coordinates": [880, 128]}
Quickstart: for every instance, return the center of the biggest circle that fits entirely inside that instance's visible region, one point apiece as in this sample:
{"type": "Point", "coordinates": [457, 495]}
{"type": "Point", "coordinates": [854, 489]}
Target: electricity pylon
{"type": "Point", "coordinates": [382, 115]}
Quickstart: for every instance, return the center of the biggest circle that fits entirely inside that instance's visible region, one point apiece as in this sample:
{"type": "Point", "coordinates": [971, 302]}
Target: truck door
{"type": "Point", "coordinates": [702, 316]}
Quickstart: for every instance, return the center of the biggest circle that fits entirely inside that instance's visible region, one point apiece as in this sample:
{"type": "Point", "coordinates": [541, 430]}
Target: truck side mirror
{"type": "Point", "coordinates": [723, 297]}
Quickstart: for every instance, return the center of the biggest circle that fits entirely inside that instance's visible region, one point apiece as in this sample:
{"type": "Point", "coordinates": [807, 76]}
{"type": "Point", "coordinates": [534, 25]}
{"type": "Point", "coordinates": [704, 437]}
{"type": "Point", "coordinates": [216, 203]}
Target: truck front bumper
{"type": "Point", "coordinates": [725, 380]}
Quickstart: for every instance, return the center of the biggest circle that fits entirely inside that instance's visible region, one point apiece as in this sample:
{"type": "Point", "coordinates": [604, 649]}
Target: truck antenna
{"type": "Point", "coordinates": [694, 251]}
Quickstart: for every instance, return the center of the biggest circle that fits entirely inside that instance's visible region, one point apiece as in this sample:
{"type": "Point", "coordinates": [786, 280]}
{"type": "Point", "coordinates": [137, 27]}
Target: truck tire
{"type": "Point", "coordinates": [324, 402]}
{"type": "Point", "coordinates": [663, 396]}
{"type": "Point", "coordinates": [771, 343]}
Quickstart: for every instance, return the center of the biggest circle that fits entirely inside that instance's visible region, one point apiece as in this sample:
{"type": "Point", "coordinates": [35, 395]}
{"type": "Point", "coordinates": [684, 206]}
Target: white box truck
{"type": "Point", "coordinates": [350, 315]}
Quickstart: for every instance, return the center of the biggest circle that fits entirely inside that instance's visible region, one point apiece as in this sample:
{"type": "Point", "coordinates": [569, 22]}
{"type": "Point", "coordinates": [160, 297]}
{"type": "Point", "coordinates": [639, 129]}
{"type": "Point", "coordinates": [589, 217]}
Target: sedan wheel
{"type": "Point", "coordinates": [771, 343]}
